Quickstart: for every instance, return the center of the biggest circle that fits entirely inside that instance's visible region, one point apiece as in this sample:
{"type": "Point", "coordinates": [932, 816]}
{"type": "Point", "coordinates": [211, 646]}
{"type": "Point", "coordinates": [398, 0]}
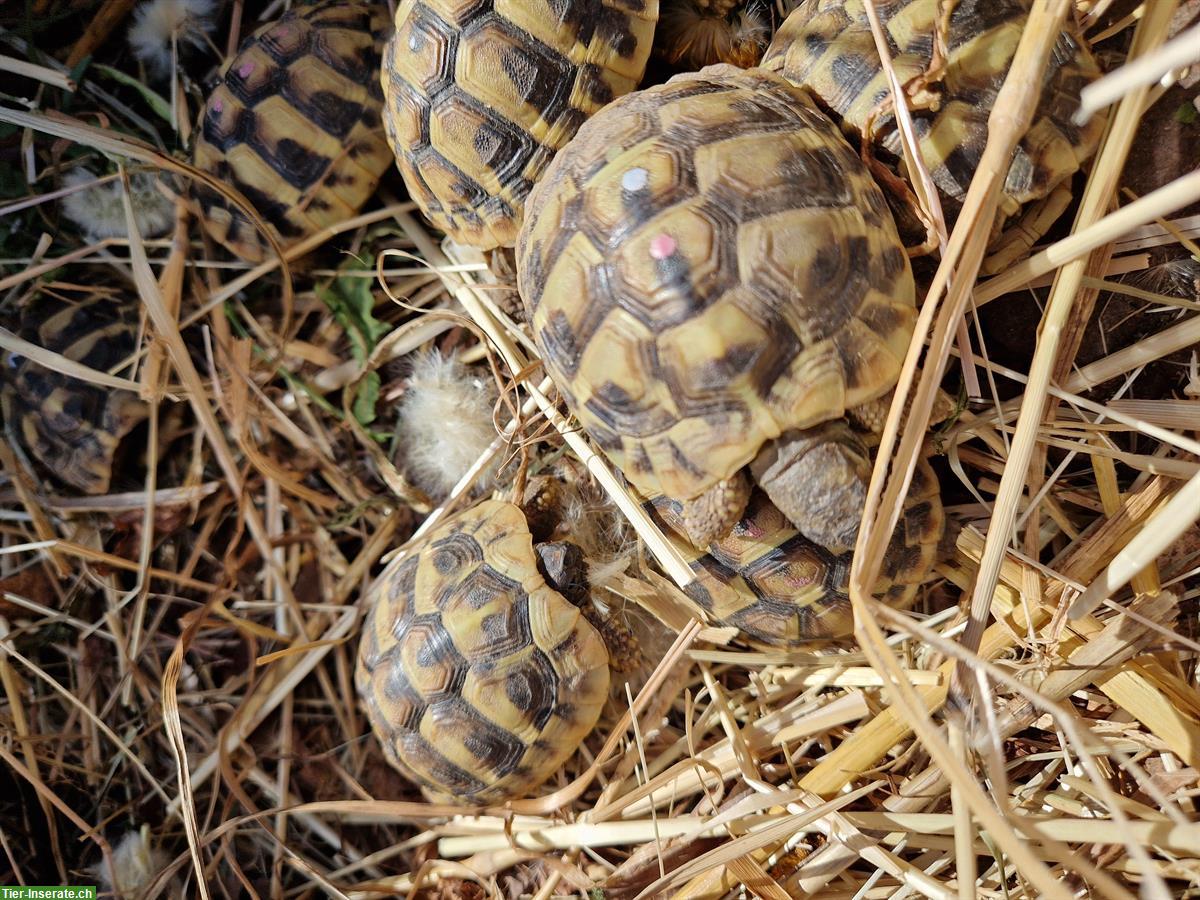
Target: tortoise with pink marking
{"type": "Point", "coordinates": [295, 125]}
{"type": "Point", "coordinates": [715, 281]}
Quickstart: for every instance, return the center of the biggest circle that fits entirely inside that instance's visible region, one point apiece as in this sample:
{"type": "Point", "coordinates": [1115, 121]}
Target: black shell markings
{"type": "Point", "coordinates": [480, 96]}
{"type": "Point", "coordinates": [294, 124]}
{"type": "Point", "coordinates": [478, 678]}
{"type": "Point", "coordinates": [70, 426]}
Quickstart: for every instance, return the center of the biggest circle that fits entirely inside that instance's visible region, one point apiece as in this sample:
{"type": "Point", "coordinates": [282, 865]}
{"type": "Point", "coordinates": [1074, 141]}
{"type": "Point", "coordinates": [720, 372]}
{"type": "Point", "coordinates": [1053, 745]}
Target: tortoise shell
{"type": "Point", "coordinates": [479, 679]}
{"type": "Point", "coordinates": [480, 96]}
{"type": "Point", "coordinates": [70, 426]}
{"type": "Point", "coordinates": [706, 266]}
{"type": "Point", "coordinates": [827, 46]}
{"type": "Point", "coordinates": [294, 125]}
{"type": "Point", "coordinates": [781, 590]}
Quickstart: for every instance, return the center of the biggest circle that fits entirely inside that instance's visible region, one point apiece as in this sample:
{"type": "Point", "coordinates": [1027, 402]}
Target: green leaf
{"type": "Point", "coordinates": [1187, 113]}
{"type": "Point", "coordinates": [157, 103]}
{"type": "Point", "coordinates": [350, 299]}
{"type": "Point", "coordinates": [365, 398]}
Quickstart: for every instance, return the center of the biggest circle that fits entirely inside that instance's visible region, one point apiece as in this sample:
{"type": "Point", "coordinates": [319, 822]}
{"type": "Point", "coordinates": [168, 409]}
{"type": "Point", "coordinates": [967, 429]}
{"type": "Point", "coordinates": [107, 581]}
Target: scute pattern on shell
{"type": "Point", "coordinates": [478, 678]}
{"type": "Point", "coordinates": [707, 265]}
{"type": "Point", "coordinates": [73, 427]}
{"type": "Point", "coordinates": [294, 124]}
{"type": "Point", "coordinates": [781, 590]}
{"type": "Point", "coordinates": [482, 93]}
{"type": "Point", "coordinates": [827, 46]}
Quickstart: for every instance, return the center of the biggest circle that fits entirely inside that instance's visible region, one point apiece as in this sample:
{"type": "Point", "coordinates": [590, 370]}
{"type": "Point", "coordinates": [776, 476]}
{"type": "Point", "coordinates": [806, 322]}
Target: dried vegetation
{"type": "Point", "coordinates": [176, 656]}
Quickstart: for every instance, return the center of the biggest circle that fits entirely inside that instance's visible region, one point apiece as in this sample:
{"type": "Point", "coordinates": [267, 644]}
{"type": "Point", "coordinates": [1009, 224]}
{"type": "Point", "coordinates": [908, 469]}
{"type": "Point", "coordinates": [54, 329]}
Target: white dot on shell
{"type": "Point", "coordinates": [413, 42]}
{"type": "Point", "coordinates": [635, 179]}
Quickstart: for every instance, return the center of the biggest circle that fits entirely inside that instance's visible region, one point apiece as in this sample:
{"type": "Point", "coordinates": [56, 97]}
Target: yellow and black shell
{"type": "Point", "coordinates": [827, 47]}
{"type": "Point", "coordinates": [706, 266]}
{"type": "Point", "coordinates": [481, 95]}
{"type": "Point", "coordinates": [782, 590]}
{"type": "Point", "coordinates": [70, 426]}
{"type": "Point", "coordinates": [478, 678]}
{"type": "Point", "coordinates": [294, 124]}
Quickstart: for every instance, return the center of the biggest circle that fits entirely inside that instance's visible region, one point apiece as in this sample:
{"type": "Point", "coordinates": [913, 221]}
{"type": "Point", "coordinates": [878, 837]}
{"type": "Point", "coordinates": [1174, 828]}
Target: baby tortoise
{"type": "Point", "coordinates": [71, 426]}
{"type": "Point", "coordinates": [294, 125]}
{"type": "Point", "coordinates": [779, 589]}
{"type": "Point", "coordinates": [478, 675]}
{"type": "Point", "coordinates": [952, 70]}
{"type": "Point", "coordinates": [480, 96]}
{"type": "Point", "coordinates": [714, 280]}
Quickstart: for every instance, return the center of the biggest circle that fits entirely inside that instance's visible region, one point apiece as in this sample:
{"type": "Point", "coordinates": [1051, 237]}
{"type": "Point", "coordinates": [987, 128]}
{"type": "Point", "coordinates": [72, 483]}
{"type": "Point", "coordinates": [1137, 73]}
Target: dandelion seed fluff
{"type": "Point", "coordinates": [445, 421]}
{"type": "Point", "coordinates": [136, 861]}
{"type": "Point", "coordinates": [99, 212]}
{"type": "Point", "coordinates": [688, 36]}
{"type": "Point", "coordinates": [156, 22]}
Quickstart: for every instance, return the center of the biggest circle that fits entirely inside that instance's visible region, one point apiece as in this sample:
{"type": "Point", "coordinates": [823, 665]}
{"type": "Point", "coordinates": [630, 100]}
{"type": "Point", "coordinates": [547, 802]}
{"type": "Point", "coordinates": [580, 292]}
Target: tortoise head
{"type": "Point", "coordinates": [562, 565]}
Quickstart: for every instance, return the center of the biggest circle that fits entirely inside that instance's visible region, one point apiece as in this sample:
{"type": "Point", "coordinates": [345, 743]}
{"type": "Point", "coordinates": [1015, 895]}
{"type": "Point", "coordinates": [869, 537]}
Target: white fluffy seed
{"type": "Point", "coordinates": [445, 421]}
{"type": "Point", "coordinates": [100, 213]}
{"type": "Point", "coordinates": [157, 22]}
{"type": "Point", "coordinates": [135, 861]}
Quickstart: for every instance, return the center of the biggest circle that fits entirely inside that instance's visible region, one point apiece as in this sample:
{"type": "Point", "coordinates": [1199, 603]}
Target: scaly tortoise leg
{"type": "Point", "coordinates": [713, 514]}
{"type": "Point", "coordinates": [818, 478]}
{"type": "Point", "coordinates": [1018, 239]}
{"type": "Point", "coordinates": [871, 415]}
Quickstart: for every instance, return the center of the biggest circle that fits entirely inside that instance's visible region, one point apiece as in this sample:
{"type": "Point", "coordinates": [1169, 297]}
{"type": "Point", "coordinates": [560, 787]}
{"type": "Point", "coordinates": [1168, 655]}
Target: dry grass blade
{"type": "Point", "coordinates": [1101, 187]}
{"type": "Point", "coordinates": [24, 69]}
{"type": "Point", "coordinates": [1179, 193]}
{"type": "Point", "coordinates": [59, 363]}
{"type": "Point", "coordinates": [1008, 121]}
{"type": "Point", "coordinates": [174, 729]}
{"type": "Point", "coordinates": [1169, 340]}
{"type": "Point", "coordinates": [914, 162]}
{"type": "Point", "coordinates": [179, 657]}
{"type": "Point", "coordinates": [1160, 532]}
{"type": "Point", "coordinates": [168, 332]}
{"type": "Point", "coordinates": [1180, 51]}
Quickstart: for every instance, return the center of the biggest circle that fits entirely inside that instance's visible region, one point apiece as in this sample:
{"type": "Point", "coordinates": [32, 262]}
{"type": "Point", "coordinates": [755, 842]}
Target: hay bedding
{"type": "Point", "coordinates": [176, 655]}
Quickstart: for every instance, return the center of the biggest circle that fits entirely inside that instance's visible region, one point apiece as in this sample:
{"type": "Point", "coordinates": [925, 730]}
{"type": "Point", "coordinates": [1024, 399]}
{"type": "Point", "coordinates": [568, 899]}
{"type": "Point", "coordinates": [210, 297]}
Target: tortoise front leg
{"type": "Point", "coordinates": [1018, 239]}
{"type": "Point", "coordinates": [713, 514]}
{"type": "Point", "coordinates": [870, 416]}
{"type": "Point", "coordinates": [818, 478]}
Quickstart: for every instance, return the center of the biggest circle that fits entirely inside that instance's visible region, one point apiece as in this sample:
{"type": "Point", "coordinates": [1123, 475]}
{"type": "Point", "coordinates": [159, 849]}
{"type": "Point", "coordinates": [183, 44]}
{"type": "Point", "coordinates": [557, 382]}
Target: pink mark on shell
{"type": "Point", "coordinates": [245, 69]}
{"type": "Point", "coordinates": [662, 246]}
{"type": "Point", "coordinates": [218, 107]}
